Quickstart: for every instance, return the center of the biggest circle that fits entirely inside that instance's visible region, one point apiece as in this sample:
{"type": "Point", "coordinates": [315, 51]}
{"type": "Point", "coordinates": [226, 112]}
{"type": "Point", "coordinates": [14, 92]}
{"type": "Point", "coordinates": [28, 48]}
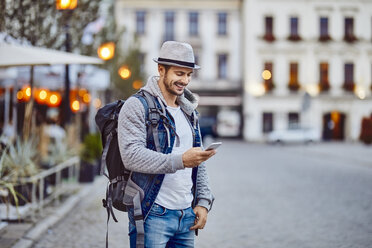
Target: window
{"type": "Point", "coordinates": [294, 29]}
{"type": "Point", "coordinates": [267, 122]}
{"type": "Point", "coordinates": [268, 76]}
{"type": "Point", "coordinates": [269, 35]}
{"type": "Point", "coordinates": [293, 84]}
{"type": "Point", "coordinates": [323, 77]}
{"type": "Point", "coordinates": [293, 120]}
{"type": "Point", "coordinates": [349, 77]}
{"type": "Point", "coordinates": [222, 66]}
{"type": "Point", "coordinates": [349, 30]}
{"type": "Point", "coordinates": [140, 22]}
{"type": "Point", "coordinates": [222, 23]}
{"type": "Point", "coordinates": [193, 23]}
{"type": "Point", "coordinates": [169, 25]}
{"type": "Point", "coordinates": [324, 35]}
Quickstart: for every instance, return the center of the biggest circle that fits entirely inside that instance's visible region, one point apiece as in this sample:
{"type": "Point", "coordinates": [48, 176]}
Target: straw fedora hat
{"type": "Point", "coordinates": [177, 54]}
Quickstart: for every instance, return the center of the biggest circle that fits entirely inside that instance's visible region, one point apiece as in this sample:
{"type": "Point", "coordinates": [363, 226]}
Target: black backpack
{"type": "Point", "coordinates": [107, 123]}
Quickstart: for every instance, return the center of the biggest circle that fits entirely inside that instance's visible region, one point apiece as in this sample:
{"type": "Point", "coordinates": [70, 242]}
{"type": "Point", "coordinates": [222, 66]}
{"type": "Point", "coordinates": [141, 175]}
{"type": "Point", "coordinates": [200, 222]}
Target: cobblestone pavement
{"type": "Point", "coordinates": [317, 196]}
{"type": "Point", "coordinates": [85, 226]}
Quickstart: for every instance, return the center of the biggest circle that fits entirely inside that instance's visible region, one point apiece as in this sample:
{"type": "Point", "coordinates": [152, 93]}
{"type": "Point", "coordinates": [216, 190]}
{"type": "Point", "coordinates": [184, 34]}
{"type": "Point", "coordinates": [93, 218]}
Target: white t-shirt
{"type": "Point", "coordinates": [175, 192]}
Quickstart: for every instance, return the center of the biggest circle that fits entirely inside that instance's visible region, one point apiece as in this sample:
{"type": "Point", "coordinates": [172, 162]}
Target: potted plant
{"type": "Point", "coordinates": [19, 163]}
{"type": "Point", "coordinates": [90, 152]}
{"type": "Point", "coordinates": [7, 191]}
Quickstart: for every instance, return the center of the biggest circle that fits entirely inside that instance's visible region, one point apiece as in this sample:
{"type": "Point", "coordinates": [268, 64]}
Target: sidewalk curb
{"type": "Point", "coordinates": [40, 228]}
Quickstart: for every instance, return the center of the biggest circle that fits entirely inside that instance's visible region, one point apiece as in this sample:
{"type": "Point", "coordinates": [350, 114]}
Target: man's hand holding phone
{"type": "Point", "coordinates": [195, 156]}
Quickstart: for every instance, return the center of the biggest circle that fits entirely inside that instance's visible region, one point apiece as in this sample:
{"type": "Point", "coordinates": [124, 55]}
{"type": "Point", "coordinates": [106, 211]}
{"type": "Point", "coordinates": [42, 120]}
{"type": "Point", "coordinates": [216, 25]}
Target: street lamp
{"type": "Point", "coordinates": [124, 72]}
{"type": "Point", "coordinates": [106, 51]}
{"type": "Point", "coordinates": [66, 6]}
{"type": "Point", "coordinates": [137, 84]}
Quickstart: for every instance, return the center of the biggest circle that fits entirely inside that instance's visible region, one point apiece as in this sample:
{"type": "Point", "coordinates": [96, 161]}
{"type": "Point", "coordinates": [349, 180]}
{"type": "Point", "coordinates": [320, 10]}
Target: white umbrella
{"type": "Point", "coordinates": [15, 55]}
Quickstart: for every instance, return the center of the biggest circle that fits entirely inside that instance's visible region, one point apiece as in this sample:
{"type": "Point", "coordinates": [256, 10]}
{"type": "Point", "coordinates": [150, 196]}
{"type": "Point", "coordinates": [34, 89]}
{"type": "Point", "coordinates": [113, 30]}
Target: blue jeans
{"type": "Point", "coordinates": [166, 228]}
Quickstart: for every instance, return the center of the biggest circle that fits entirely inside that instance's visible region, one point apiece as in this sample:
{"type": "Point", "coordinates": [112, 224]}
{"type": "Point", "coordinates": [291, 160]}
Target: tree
{"type": "Point", "coordinates": [132, 60]}
{"type": "Point", "coordinates": [130, 57]}
{"type": "Point", "coordinates": [40, 23]}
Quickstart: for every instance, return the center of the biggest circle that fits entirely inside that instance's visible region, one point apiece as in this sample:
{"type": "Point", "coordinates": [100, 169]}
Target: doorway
{"type": "Point", "coordinates": [334, 126]}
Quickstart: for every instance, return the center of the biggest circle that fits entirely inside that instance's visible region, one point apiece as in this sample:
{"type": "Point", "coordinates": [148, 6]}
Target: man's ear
{"type": "Point", "coordinates": [161, 70]}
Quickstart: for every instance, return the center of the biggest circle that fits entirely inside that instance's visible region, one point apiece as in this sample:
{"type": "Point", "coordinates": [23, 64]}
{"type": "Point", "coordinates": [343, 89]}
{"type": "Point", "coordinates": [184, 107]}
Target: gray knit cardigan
{"type": "Point", "coordinates": [132, 142]}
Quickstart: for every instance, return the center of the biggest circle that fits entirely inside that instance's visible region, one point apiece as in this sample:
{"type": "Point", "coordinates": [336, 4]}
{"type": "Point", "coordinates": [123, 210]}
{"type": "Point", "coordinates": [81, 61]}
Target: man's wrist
{"type": "Point", "coordinates": [177, 162]}
{"type": "Point", "coordinates": [205, 204]}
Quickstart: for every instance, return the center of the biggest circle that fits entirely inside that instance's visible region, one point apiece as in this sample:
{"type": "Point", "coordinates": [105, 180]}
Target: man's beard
{"type": "Point", "coordinates": [168, 87]}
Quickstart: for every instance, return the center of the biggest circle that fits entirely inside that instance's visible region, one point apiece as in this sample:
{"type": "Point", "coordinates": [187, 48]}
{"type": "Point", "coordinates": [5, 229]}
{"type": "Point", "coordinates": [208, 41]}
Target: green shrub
{"type": "Point", "coordinates": [92, 148]}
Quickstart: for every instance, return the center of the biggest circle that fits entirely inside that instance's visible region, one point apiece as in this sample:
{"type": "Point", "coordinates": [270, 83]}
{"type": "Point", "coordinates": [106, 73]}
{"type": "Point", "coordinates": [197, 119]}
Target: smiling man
{"type": "Point", "coordinates": [169, 172]}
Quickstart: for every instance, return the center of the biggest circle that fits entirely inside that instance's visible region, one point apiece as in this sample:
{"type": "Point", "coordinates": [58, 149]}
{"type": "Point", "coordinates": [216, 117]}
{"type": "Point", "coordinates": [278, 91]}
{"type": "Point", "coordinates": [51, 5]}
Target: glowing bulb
{"type": "Point", "coordinates": [106, 51]}
{"type": "Point", "coordinates": [28, 91]}
{"type": "Point", "coordinates": [124, 72]}
{"type": "Point", "coordinates": [137, 84]}
{"type": "Point", "coordinates": [256, 89]}
{"type": "Point", "coordinates": [75, 105]}
{"type": "Point", "coordinates": [20, 95]}
{"type": "Point", "coordinates": [86, 98]}
{"type": "Point", "coordinates": [266, 74]}
{"type": "Point", "coordinates": [65, 4]}
{"type": "Point", "coordinates": [53, 99]}
{"type": "Point", "coordinates": [43, 95]}
{"type": "Point", "coordinates": [360, 92]}
{"type": "Point", "coordinates": [312, 89]}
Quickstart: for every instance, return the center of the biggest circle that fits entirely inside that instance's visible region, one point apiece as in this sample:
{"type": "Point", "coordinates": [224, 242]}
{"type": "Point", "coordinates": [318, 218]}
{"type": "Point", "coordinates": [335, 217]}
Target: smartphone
{"type": "Point", "coordinates": [213, 146]}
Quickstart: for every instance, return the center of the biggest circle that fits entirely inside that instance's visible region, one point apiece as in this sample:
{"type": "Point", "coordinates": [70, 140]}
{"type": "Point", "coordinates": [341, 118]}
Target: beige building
{"type": "Point", "coordinates": [213, 28]}
{"type": "Point", "coordinates": [322, 48]}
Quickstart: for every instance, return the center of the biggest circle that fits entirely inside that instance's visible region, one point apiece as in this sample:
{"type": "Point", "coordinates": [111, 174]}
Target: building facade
{"type": "Point", "coordinates": [307, 63]}
{"type": "Point", "coordinates": [213, 28]}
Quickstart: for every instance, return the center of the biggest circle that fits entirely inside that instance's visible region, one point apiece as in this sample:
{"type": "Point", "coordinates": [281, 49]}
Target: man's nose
{"type": "Point", "coordinates": [185, 79]}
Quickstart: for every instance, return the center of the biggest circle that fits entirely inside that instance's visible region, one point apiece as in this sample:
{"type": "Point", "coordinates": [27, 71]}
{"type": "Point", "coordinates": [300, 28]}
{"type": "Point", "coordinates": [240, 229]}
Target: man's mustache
{"type": "Point", "coordinates": [180, 83]}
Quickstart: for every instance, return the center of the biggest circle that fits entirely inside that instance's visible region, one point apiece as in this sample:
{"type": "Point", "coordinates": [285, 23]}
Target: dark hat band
{"type": "Point", "coordinates": [192, 65]}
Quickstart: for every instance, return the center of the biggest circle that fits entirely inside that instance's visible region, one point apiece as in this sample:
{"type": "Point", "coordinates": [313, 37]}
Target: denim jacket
{"type": "Point", "coordinates": [139, 155]}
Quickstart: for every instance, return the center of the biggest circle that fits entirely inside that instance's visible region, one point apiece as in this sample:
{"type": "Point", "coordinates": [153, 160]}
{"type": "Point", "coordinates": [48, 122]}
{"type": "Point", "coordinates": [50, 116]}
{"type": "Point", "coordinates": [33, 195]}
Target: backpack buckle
{"type": "Point", "coordinates": [154, 116]}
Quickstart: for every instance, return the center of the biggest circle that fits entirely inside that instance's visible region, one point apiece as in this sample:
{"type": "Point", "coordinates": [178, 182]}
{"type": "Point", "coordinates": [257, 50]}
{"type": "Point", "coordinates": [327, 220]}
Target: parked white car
{"type": "Point", "coordinates": [304, 135]}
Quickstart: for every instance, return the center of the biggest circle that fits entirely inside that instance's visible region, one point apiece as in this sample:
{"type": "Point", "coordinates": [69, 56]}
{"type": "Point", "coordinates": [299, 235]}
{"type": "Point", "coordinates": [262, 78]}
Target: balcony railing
{"type": "Point", "coordinates": [350, 38]}
{"type": "Point", "coordinates": [324, 38]}
{"type": "Point", "coordinates": [324, 86]}
{"type": "Point", "coordinates": [269, 37]}
{"type": "Point", "coordinates": [294, 37]}
{"type": "Point", "coordinates": [349, 86]}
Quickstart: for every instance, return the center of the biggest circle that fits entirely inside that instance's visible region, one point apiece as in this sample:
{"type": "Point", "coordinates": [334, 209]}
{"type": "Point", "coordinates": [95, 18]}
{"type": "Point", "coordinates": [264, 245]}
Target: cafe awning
{"type": "Point", "coordinates": [16, 55]}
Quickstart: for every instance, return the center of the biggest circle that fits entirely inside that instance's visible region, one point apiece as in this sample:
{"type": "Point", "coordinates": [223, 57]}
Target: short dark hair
{"type": "Point", "coordinates": [166, 67]}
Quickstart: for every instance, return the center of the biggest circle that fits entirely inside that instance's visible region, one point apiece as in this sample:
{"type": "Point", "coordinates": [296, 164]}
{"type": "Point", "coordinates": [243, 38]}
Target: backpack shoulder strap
{"type": "Point", "coordinates": [155, 110]}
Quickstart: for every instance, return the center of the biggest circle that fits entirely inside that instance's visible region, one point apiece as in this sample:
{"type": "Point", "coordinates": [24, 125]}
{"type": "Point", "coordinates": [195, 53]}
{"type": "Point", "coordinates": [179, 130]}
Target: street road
{"type": "Point", "coordinates": [316, 196]}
